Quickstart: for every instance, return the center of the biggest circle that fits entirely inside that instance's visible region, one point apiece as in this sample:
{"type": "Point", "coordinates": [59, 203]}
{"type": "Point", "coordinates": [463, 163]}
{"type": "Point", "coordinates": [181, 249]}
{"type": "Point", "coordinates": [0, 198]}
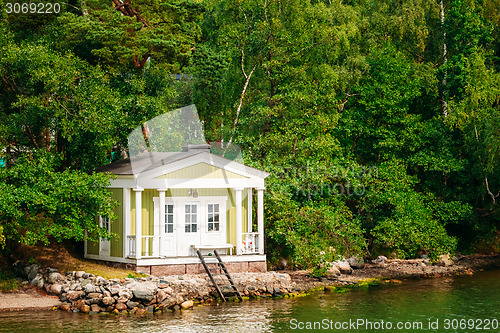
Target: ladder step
{"type": "Point", "coordinates": [220, 268]}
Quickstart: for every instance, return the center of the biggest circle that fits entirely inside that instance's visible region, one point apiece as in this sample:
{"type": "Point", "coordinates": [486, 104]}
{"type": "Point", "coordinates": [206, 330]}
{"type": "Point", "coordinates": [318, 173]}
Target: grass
{"type": "Point", "coordinates": [66, 257]}
{"type": "Point", "coordinates": [8, 282]}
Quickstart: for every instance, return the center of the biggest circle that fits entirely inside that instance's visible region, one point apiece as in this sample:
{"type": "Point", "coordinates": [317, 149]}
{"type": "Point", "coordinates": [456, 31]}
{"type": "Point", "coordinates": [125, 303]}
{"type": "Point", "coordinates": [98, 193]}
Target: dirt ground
{"type": "Point", "coordinates": [29, 298]}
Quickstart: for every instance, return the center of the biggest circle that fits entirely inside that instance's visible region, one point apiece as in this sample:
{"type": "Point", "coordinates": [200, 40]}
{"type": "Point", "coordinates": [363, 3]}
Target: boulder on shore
{"type": "Point", "coordinates": [343, 266]}
{"type": "Point", "coordinates": [356, 263]}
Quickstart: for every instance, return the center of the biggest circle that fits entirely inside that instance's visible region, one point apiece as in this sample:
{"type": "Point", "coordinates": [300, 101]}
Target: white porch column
{"type": "Point", "coordinates": [126, 221]}
{"type": "Point", "coordinates": [249, 206]}
{"type": "Point", "coordinates": [138, 222]}
{"type": "Point", "coordinates": [239, 220]}
{"type": "Point", "coordinates": [161, 223]}
{"type": "Point", "coordinates": [260, 216]}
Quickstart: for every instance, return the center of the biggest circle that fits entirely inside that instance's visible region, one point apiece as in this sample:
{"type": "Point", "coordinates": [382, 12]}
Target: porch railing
{"type": "Point", "coordinates": [250, 242]}
{"type": "Point", "coordinates": [149, 246]}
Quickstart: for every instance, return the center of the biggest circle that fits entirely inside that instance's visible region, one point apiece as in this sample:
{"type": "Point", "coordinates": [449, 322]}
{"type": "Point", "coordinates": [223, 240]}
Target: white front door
{"type": "Point", "coordinates": [104, 243]}
{"type": "Point", "coordinates": [190, 221]}
{"type": "Point", "coordinates": [190, 218]}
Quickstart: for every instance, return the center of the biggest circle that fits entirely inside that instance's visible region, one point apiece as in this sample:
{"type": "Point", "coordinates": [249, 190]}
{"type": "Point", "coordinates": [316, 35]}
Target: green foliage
{"type": "Point", "coordinates": [39, 203]}
{"type": "Point", "coordinates": [313, 235]}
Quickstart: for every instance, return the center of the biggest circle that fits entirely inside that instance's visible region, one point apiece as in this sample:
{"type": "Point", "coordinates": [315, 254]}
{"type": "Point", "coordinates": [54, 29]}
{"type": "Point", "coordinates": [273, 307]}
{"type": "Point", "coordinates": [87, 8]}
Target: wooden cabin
{"type": "Point", "coordinates": [190, 200]}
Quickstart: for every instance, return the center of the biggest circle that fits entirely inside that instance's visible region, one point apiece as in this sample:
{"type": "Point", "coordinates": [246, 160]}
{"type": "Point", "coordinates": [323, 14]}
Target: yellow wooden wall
{"type": "Point", "coordinates": [201, 170]}
{"type": "Point", "coordinates": [116, 244]}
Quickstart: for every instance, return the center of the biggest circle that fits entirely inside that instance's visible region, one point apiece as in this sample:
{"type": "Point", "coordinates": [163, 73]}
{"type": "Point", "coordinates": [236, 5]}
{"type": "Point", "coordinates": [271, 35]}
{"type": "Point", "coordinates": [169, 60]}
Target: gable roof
{"type": "Point", "coordinates": [155, 164]}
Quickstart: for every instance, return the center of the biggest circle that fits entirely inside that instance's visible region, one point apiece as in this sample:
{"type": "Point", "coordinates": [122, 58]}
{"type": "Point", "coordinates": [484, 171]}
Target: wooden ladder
{"type": "Point", "coordinates": [219, 267]}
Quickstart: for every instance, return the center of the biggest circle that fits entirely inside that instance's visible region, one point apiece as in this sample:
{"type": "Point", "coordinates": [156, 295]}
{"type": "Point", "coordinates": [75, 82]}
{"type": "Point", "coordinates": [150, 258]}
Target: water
{"type": "Point", "coordinates": [455, 301]}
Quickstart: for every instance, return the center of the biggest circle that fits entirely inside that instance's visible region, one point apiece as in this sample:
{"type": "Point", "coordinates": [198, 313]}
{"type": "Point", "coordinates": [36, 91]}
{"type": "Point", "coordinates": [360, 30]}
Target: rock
{"type": "Point", "coordinates": [74, 295]}
{"type": "Point", "coordinates": [122, 299]}
{"type": "Point", "coordinates": [33, 271]}
{"type": "Point", "coordinates": [89, 289]}
{"type": "Point", "coordinates": [40, 283]}
{"type": "Point", "coordinates": [343, 267]}
{"type": "Point", "coordinates": [85, 282]}
{"type": "Point", "coordinates": [331, 273]}
{"type": "Point", "coordinates": [227, 290]}
{"type": "Point", "coordinates": [95, 308]}
{"type": "Point", "coordinates": [55, 289]}
{"type": "Point", "coordinates": [26, 271]}
{"type": "Point", "coordinates": [120, 306]}
{"type": "Point", "coordinates": [107, 301]}
{"type": "Point", "coordinates": [110, 308]}
{"type": "Point", "coordinates": [63, 297]}
{"type": "Point", "coordinates": [65, 307]}
{"type": "Point", "coordinates": [114, 289]}
{"type": "Point", "coordinates": [160, 296]}
{"type": "Point", "coordinates": [140, 311]}
{"type": "Point", "coordinates": [168, 290]}
{"type": "Point", "coordinates": [79, 274]}
{"type": "Point", "coordinates": [94, 295]}
{"type": "Point", "coordinates": [176, 308]}
{"type": "Point", "coordinates": [79, 304]}
{"type": "Point", "coordinates": [75, 286]}
{"type": "Point", "coordinates": [85, 275]}
{"type": "Point", "coordinates": [55, 277]}
{"type": "Point", "coordinates": [85, 309]}
{"type": "Point", "coordinates": [445, 260]}
{"type": "Point", "coordinates": [125, 293]}
{"type": "Point", "coordinates": [102, 281]}
{"type": "Point", "coordinates": [380, 260]}
{"type": "Point", "coordinates": [187, 304]}
{"type": "Point", "coordinates": [276, 291]}
{"type": "Point", "coordinates": [144, 286]}
{"type": "Point", "coordinates": [90, 301]}
{"type": "Point", "coordinates": [171, 301]}
{"type": "Point", "coordinates": [37, 278]}
{"type": "Point", "coordinates": [356, 263]}
{"type": "Point", "coordinates": [116, 311]}
{"type": "Point", "coordinates": [143, 296]}
{"type": "Point", "coordinates": [132, 305]}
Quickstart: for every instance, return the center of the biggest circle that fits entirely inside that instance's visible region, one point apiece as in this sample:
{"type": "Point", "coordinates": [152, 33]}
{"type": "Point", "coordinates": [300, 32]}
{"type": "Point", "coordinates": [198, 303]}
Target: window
{"type": "Point", "coordinates": [190, 214]}
{"type": "Point", "coordinates": [169, 219]}
{"type": "Point", "coordinates": [105, 222]}
{"type": "Point", "coordinates": [213, 217]}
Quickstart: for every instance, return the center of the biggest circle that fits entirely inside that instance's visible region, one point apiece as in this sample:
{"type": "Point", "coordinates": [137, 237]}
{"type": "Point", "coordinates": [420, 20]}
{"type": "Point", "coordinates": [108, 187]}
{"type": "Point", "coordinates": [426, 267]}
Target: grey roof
{"type": "Point", "coordinates": [148, 161]}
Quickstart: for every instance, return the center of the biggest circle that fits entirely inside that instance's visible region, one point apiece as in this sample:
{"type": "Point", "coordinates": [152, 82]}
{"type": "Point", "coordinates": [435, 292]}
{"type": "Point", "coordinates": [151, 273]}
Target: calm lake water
{"type": "Point", "coordinates": [447, 302]}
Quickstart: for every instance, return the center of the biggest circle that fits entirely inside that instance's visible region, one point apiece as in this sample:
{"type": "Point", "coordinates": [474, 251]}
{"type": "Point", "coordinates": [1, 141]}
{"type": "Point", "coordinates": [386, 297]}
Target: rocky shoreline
{"type": "Point", "coordinates": [79, 291]}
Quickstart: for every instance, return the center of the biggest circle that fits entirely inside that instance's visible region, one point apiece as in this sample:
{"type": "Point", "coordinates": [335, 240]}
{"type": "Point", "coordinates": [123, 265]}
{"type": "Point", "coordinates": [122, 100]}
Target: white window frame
{"type": "Point", "coordinates": [102, 221]}
{"type": "Point", "coordinates": [192, 224]}
{"type": "Point", "coordinates": [214, 213]}
{"type": "Point", "coordinates": [166, 224]}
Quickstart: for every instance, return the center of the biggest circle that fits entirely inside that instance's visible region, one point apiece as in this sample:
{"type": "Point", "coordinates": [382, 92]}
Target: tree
{"type": "Point", "coordinates": [38, 202]}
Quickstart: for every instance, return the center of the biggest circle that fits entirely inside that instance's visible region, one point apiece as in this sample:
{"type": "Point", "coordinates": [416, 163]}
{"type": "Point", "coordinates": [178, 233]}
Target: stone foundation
{"type": "Point", "coordinates": [193, 269]}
